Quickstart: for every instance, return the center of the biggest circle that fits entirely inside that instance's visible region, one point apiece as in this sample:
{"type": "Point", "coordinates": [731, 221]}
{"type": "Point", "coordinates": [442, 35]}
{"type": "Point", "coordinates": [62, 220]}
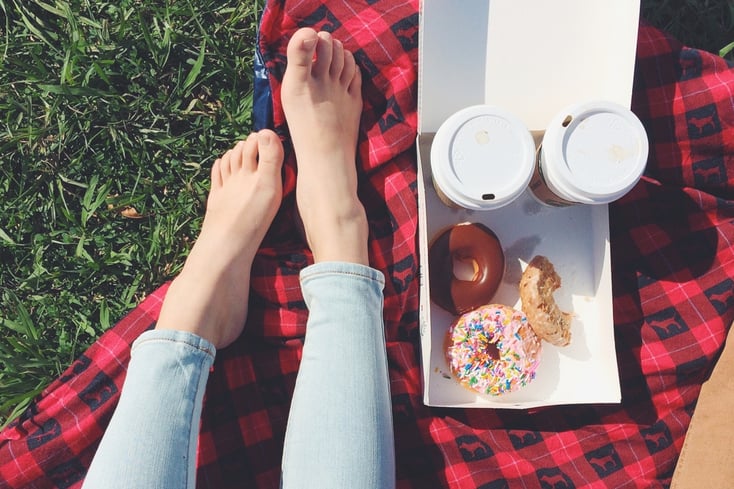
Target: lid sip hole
{"type": "Point", "coordinates": [487, 196]}
{"type": "Point", "coordinates": [567, 121]}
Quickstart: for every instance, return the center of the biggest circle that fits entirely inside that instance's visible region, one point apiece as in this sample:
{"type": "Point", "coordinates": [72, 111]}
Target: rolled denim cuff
{"type": "Point", "coordinates": [185, 340]}
{"type": "Point", "coordinates": [342, 268]}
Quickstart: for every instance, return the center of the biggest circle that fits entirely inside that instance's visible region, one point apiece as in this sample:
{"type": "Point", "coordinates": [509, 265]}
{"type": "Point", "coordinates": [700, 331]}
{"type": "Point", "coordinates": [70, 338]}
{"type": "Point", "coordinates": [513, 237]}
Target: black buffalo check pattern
{"type": "Point", "coordinates": [672, 259]}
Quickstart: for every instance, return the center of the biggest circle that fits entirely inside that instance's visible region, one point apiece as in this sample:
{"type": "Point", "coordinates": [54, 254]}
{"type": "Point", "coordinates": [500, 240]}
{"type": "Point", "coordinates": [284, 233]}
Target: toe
{"type": "Point", "coordinates": [270, 152]}
{"type": "Point", "coordinates": [248, 157]}
{"type": "Point", "coordinates": [337, 60]}
{"type": "Point", "coordinates": [216, 174]}
{"type": "Point", "coordinates": [324, 52]}
{"type": "Point", "coordinates": [351, 76]}
{"type": "Point", "coordinates": [301, 50]}
{"type": "Point", "coordinates": [225, 166]}
{"type": "Point", "coordinates": [236, 157]}
{"type": "Point", "coordinates": [350, 66]}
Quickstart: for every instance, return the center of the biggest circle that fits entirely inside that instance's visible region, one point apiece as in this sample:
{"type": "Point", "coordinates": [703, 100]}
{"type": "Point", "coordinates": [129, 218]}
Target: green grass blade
{"type": "Point", "coordinates": [726, 49]}
{"type": "Point", "coordinates": [74, 91]}
{"type": "Point", "coordinates": [6, 238]}
{"type": "Point", "coordinates": [196, 68]}
{"type": "Point", "coordinates": [37, 27]}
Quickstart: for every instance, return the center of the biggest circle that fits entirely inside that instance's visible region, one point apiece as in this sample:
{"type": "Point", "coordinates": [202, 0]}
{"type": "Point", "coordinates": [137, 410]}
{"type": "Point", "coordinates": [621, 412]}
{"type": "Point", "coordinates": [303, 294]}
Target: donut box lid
{"type": "Point", "coordinates": [532, 58]}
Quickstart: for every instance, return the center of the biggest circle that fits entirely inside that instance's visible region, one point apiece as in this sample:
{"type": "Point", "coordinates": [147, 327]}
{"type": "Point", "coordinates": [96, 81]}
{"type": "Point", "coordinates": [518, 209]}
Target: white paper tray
{"type": "Point", "coordinates": [531, 57]}
{"type": "Point", "coordinates": [576, 240]}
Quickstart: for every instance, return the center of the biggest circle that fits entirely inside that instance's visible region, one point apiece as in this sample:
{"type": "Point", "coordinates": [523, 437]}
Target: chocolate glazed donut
{"type": "Point", "coordinates": [470, 245]}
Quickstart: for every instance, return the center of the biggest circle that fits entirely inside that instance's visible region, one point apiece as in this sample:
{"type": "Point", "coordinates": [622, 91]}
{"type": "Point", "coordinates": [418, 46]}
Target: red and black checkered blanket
{"type": "Point", "coordinates": [672, 265]}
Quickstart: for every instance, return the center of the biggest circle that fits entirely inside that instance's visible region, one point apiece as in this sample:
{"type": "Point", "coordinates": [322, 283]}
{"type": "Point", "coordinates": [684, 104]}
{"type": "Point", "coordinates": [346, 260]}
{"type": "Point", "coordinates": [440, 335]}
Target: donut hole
{"type": "Point", "coordinates": [491, 350]}
{"type": "Point", "coordinates": [465, 268]}
{"type": "Point", "coordinates": [487, 350]}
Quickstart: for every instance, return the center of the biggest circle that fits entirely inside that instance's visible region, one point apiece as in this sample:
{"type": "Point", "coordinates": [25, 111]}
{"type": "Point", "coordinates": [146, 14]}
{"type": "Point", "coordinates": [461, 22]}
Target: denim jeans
{"type": "Point", "coordinates": [339, 431]}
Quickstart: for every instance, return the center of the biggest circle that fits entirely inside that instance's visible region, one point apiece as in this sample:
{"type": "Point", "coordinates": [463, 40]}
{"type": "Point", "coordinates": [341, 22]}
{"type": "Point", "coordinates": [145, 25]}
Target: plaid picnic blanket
{"type": "Point", "coordinates": [673, 270]}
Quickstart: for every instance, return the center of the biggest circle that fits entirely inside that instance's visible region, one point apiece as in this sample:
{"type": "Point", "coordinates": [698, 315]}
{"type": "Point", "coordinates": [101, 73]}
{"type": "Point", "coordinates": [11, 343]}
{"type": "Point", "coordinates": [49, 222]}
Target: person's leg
{"type": "Point", "coordinates": [151, 439]}
{"type": "Point", "coordinates": [339, 431]}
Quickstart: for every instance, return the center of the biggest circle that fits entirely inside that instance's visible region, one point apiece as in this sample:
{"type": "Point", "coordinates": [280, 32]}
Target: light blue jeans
{"type": "Point", "coordinates": [339, 431]}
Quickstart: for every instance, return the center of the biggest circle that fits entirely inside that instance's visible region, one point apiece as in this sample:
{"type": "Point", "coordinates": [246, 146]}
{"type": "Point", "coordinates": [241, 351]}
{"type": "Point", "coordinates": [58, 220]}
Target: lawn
{"type": "Point", "coordinates": [111, 115]}
{"type": "Point", "coordinates": [112, 112]}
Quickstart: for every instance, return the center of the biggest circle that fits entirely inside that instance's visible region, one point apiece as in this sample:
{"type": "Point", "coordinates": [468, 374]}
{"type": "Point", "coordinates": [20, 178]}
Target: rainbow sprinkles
{"type": "Point", "coordinates": [493, 350]}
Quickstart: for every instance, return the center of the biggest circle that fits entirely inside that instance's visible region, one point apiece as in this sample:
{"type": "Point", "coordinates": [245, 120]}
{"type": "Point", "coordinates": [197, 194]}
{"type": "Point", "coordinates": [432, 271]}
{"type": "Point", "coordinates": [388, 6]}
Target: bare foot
{"type": "Point", "coordinates": [210, 295]}
{"type": "Point", "coordinates": [322, 101]}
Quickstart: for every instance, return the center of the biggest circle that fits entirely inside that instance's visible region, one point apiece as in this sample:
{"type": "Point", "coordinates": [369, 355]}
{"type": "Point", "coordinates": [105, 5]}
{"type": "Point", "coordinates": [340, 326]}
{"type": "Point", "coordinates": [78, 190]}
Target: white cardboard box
{"type": "Point", "coordinates": [532, 58]}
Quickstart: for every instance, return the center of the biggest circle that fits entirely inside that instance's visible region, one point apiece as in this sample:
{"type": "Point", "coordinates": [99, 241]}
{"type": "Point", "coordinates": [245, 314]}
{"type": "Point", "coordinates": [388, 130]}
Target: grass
{"type": "Point", "coordinates": [703, 24]}
{"type": "Point", "coordinates": [110, 115]}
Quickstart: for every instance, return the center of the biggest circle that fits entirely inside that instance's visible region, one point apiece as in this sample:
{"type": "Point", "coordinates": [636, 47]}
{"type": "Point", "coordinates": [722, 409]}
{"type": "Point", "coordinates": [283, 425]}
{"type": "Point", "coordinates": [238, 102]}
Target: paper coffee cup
{"type": "Point", "coordinates": [592, 153]}
{"type": "Point", "coordinates": [482, 158]}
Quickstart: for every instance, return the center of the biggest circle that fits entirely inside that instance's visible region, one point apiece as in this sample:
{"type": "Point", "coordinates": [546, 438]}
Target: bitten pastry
{"type": "Point", "coordinates": [493, 350]}
{"type": "Point", "coordinates": [538, 282]}
{"type": "Point", "coordinates": [474, 247]}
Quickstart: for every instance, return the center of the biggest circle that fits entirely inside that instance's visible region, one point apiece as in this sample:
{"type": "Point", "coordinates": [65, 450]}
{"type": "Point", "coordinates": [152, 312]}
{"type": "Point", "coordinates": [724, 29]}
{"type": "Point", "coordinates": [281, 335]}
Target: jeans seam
{"type": "Point", "coordinates": [194, 427]}
{"type": "Point", "coordinates": [351, 274]}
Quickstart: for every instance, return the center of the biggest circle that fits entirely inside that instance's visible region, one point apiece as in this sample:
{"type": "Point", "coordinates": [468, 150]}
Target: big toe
{"type": "Point", "coordinates": [301, 50]}
{"type": "Point", "coordinates": [270, 150]}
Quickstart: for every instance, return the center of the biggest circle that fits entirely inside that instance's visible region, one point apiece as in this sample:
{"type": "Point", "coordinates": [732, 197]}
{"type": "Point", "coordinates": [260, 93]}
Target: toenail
{"type": "Point", "coordinates": [264, 138]}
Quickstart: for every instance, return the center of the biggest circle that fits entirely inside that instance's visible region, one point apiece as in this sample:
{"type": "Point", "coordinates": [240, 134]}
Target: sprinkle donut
{"type": "Point", "coordinates": [493, 350]}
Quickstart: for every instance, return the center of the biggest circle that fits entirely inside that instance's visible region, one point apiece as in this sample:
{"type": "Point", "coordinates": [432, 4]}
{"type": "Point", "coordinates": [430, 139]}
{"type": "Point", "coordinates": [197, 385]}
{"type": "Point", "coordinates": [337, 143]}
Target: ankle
{"type": "Point", "coordinates": [340, 237]}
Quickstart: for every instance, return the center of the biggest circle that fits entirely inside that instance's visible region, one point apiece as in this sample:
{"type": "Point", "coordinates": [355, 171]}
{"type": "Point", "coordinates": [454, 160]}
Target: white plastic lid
{"type": "Point", "coordinates": [595, 152]}
{"type": "Point", "coordinates": [482, 157]}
